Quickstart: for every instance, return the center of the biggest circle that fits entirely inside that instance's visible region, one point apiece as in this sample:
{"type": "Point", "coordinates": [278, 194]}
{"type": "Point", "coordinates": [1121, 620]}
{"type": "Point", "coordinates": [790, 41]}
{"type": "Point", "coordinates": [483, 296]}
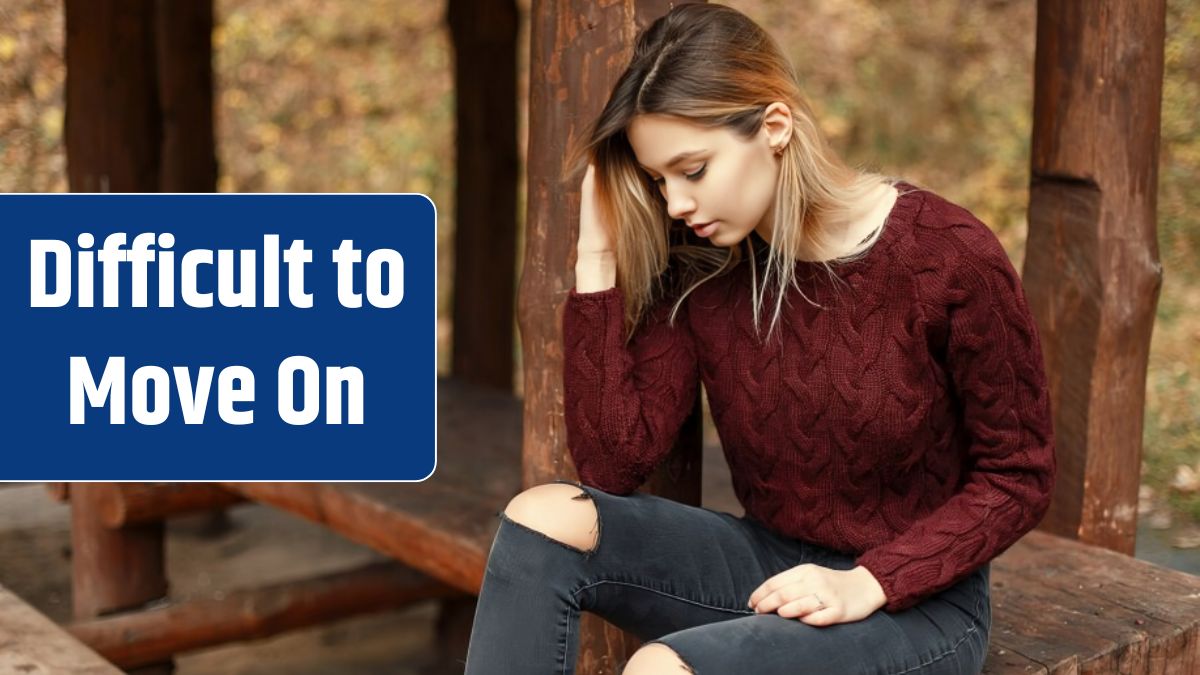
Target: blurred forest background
{"type": "Point", "coordinates": [339, 96]}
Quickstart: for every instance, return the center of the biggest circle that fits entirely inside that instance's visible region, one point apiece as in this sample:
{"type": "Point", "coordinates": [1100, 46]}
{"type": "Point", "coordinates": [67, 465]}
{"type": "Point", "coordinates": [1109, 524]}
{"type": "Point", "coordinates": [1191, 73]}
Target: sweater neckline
{"type": "Point", "coordinates": [903, 213]}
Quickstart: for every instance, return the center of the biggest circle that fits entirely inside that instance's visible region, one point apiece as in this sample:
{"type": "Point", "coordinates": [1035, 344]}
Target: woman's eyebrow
{"type": "Point", "coordinates": [680, 157]}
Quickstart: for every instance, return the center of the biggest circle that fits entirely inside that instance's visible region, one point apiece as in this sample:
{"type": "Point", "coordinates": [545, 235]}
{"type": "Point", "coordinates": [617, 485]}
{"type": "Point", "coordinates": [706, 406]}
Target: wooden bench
{"type": "Point", "coordinates": [32, 644]}
{"type": "Point", "coordinates": [442, 526]}
{"type": "Point", "coordinates": [1059, 606]}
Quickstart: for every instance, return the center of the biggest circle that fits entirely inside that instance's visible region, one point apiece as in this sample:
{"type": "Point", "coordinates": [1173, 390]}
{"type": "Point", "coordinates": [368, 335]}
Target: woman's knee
{"type": "Point", "coordinates": [560, 511]}
{"type": "Point", "coordinates": [655, 659]}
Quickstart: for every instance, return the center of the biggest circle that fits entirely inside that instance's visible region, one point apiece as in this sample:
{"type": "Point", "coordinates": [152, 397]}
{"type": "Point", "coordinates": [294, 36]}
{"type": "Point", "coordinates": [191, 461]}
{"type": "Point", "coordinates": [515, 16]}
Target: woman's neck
{"type": "Point", "coordinates": [846, 235]}
{"type": "Point", "coordinates": [849, 235]}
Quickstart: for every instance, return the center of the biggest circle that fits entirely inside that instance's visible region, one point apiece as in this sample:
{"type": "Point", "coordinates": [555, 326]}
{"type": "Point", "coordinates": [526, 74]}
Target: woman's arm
{"type": "Point", "coordinates": [595, 271]}
{"type": "Point", "coordinates": [623, 403]}
{"type": "Point", "coordinates": [995, 363]}
{"type": "Point", "coordinates": [596, 261]}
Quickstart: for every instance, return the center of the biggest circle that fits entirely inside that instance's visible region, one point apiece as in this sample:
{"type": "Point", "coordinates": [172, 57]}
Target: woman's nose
{"type": "Point", "coordinates": [679, 205]}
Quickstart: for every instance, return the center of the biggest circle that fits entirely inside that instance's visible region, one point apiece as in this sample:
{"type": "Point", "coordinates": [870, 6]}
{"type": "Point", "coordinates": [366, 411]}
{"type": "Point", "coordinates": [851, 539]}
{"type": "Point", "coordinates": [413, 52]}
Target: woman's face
{"type": "Point", "coordinates": [710, 176]}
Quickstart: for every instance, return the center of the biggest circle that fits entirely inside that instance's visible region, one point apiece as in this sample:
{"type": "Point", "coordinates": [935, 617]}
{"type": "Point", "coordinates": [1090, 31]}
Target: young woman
{"type": "Point", "coordinates": [871, 367]}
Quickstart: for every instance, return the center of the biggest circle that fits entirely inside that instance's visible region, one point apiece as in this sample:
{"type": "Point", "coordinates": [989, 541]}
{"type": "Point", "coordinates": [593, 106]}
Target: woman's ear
{"type": "Point", "coordinates": [777, 123]}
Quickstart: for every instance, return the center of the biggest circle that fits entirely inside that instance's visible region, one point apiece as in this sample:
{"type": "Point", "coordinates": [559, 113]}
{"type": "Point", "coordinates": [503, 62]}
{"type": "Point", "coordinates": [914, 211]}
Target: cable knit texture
{"type": "Point", "coordinates": [905, 421]}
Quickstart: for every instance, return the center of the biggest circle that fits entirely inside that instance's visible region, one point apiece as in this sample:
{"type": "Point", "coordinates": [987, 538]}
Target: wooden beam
{"type": "Point", "coordinates": [124, 504]}
{"type": "Point", "coordinates": [578, 49]}
{"type": "Point", "coordinates": [1092, 271]}
{"type": "Point", "coordinates": [484, 36]}
{"type": "Point", "coordinates": [149, 636]}
{"type": "Point", "coordinates": [113, 127]}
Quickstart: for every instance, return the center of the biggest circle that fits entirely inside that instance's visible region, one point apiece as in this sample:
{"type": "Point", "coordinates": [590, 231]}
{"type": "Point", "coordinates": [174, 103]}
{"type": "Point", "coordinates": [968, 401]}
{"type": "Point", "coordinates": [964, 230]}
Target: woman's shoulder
{"type": "Point", "coordinates": [950, 231]}
{"type": "Point", "coordinates": [954, 256]}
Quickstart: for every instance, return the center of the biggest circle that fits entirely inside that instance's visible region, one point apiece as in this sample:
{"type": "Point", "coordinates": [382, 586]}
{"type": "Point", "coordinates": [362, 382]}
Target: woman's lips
{"type": "Point", "coordinates": [705, 230]}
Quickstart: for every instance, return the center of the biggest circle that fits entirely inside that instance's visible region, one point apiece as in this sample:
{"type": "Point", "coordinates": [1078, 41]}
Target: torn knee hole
{"type": "Point", "coordinates": [683, 664]}
{"type": "Point", "coordinates": [584, 495]}
{"type": "Point", "coordinates": [660, 661]}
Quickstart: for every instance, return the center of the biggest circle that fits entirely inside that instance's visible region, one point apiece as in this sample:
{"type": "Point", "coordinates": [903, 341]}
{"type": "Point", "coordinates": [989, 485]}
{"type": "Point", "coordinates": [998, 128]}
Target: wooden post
{"type": "Point", "coordinates": [484, 38]}
{"type": "Point", "coordinates": [1092, 270]}
{"type": "Point", "coordinates": [578, 48]}
{"type": "Point", "coordinates": [113, 570]}
{"type": "Point", "coordinates": [185, 83]}
{"type": "Point", "coordinates": [484, 33]}
{"type": "Point", "coordinates": [114, 144]}
{"type": "Point", "coordinates": [113, 127]}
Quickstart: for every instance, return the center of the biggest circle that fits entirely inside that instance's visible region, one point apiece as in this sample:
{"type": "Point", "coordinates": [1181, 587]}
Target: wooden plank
{"type": "Point", "coordinates": [1002, 660]}
{"type": "Point", "coordinates": [32, 643]}
{"type": "Point", "coordinates": [1069, 605]}
{"type": "Point", "coordinates": [1159, 592]}
{"type": "Point", "coordinates": [1156, 610]}
{"type": "Point", "coordinates": [444, 525]}
{"type": "Point", "coordinates": [443, 533]}
{"type": "Point", "coordinates": [1042, 631]}
{"type": "Point", "coordinates": [145, 637]}
{"type": "Point", "coordinates": [1092, 272]}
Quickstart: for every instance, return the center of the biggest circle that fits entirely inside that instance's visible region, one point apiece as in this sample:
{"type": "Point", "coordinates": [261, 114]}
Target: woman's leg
{"type": "Point", "coordinates": [656, 567]}
{"type": "Point", "coordinates": [947, 634]}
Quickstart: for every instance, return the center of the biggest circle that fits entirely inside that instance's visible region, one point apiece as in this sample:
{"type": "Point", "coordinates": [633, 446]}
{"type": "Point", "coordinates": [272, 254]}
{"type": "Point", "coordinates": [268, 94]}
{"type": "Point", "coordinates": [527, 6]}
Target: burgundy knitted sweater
{"type": "Point", "coordinates": [905, 421]}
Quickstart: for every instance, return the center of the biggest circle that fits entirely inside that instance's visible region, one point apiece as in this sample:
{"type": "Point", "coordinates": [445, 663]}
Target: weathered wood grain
{"type": "Point", "coordinates": [32, 643]}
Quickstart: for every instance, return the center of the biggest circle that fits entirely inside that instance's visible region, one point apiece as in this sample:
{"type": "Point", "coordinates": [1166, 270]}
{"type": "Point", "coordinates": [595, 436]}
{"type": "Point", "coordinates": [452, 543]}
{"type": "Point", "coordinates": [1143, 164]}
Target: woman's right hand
{"type": "Point", "coordinates": [595, 236]}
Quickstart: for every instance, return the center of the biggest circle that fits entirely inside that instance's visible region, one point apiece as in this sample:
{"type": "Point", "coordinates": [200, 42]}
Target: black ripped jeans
{"type": "Point", "coordinates": [681, 576]}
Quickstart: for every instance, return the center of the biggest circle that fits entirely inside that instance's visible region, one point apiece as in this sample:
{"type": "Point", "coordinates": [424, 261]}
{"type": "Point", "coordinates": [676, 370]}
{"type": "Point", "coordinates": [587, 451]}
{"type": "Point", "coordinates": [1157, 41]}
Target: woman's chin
{"type": "Point", "coordinates": [723, 238]}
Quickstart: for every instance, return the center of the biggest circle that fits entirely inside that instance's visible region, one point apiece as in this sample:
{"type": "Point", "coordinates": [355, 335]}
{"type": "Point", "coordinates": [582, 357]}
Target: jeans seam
{"type": "Point", "coordinates": [953, 648]}
{"type": "Point", "coordinates": [567, 642]}
{"type": "Point", "coordinates": [575, 594]}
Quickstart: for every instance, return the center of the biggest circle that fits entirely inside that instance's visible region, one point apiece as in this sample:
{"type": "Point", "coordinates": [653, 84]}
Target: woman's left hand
{"type": "Point", "coordinates": [847, 595]}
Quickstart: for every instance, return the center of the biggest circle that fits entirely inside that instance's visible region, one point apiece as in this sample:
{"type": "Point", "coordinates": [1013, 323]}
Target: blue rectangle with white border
{"type": "Point", "coordinates": [377, 424]}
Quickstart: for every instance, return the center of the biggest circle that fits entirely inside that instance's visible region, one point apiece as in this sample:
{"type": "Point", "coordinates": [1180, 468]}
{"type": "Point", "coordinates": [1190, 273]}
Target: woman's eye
{"type": "Point", "coordinates": [661, 182]}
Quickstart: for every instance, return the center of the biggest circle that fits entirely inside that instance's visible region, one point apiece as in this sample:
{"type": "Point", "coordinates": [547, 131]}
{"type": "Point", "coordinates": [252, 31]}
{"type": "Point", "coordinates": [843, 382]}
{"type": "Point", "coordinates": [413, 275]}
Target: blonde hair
{"type": "Point", "coordinates": [713, 66]}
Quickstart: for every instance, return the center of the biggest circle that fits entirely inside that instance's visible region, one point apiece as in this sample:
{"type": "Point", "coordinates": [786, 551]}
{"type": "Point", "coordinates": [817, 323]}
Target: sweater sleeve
{"type": "Point", "coordinates": [623, 403]}
{"type": "Point", "coordinates": [994, 361]}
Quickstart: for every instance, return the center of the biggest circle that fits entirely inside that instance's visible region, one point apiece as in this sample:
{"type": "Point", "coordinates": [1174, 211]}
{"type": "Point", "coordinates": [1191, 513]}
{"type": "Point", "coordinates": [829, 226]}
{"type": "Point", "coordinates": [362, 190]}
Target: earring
{"type": "Point", "coordinates": [779, 149]}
